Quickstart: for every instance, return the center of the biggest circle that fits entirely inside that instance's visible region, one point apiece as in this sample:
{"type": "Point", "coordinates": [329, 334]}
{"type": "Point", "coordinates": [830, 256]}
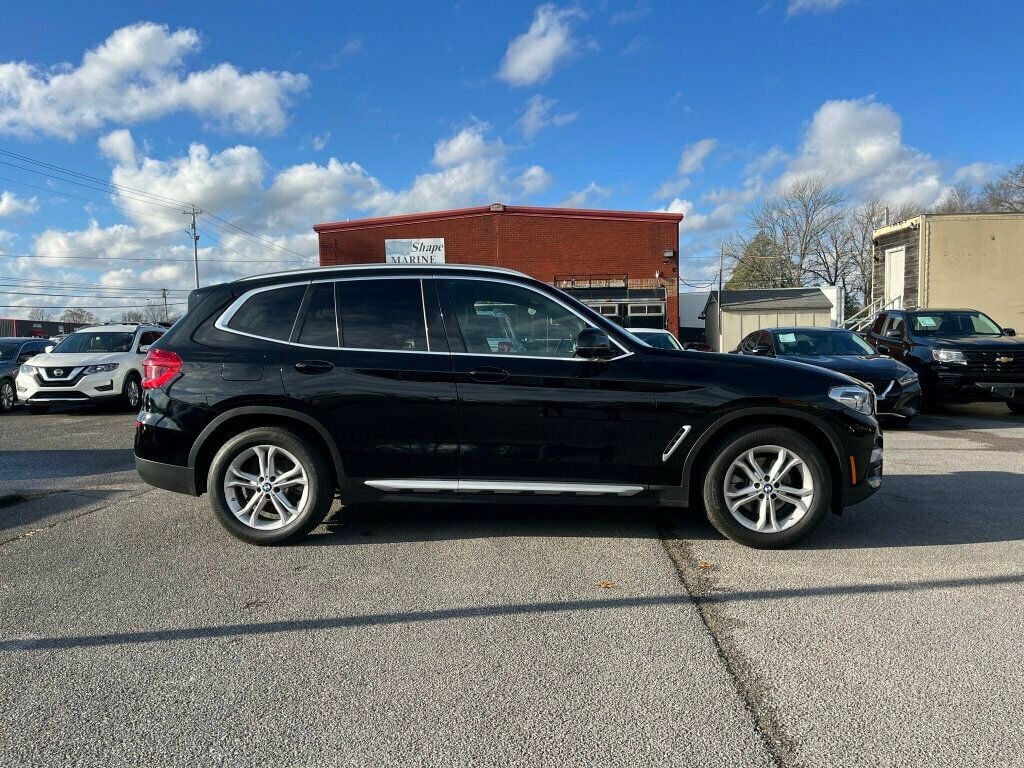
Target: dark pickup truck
{"type": "Point", "coordinates": [960, 355]}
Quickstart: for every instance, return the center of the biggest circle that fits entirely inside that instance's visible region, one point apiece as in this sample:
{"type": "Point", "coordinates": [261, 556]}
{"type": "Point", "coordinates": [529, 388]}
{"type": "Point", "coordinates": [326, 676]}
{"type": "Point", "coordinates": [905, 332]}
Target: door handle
{"type": "Point", "coordinates": [314, 366]}
{"type": "Point", "coordinates": [488, 375]}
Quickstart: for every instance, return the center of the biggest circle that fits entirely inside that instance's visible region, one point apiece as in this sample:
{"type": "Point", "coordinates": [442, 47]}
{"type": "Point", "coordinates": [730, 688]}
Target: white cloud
{"type": "Point", "coordinates": [796, 7]}
{"type": "Point", "coordinates": [319, 140]}
{"type": "Point", "coordinates": [857, 143]}
{"type": "Point", "coordinates": [467, 145]}
{"type": "Point", "coordinates": [137, 74]}
{"type": "Point", "coordinates": [977, 173]}
{"type": "Point", "coordinates": [532, 56]}
{"type": "Point", "coordinates": [639, 11]}
{"type": "Point", "coordinates": [534, 180]}
{"type": "Point", "coordinates": [537, 116]}
{"type": "Point", "coordinates": [720, 217]}
{"type": "Point", "coordinates": [588, 196]}
{"type": "Point", "coordinates": [691, 161]}
{"type": "Point", "coordinates": [12, 205]}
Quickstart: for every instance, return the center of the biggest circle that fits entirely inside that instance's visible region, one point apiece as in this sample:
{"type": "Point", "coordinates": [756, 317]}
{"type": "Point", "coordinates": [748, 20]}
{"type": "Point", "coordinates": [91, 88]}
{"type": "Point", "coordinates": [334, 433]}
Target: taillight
{"type": "Point", "coordinates": [159, 367]}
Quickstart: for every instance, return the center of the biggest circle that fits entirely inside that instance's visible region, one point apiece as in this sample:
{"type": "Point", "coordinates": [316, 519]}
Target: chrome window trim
{"type": "Point", "coordinates": [420, 270]}
{"type": "Point", "coordinates": [571, 310]}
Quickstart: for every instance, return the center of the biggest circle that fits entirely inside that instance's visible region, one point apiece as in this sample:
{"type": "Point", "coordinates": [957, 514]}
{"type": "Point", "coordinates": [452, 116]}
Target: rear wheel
{"type": "Point", "coordinates": [269, 486]}
{"type": "Point", "coordinates": [767, 488]}
{"type": "Point", "coordinates": [1015, 406]}
{"type": "Point", "coordinates": [6, 395]}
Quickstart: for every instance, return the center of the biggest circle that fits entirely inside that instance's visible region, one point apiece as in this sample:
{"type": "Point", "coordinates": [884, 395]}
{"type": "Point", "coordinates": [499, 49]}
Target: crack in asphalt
{"type": "Point", "coordinates": [35, 496]}
{"type": "Point", "coordinates": [693, 574]}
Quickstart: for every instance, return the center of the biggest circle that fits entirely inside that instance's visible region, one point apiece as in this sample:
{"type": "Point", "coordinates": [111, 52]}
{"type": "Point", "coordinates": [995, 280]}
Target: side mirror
{"type": "Point", "coordinates": [893, 333]}
{"type": "Point", "coordinates": [762, 350]}
{"type": "Point", "coordinates": [594, 344]}
{"type": "Point", "coordinates": [144, 349]}
{"type": "Point", "coordinates": [49, 349]}
{"type": "Point", "coordinates": [1009, 332]}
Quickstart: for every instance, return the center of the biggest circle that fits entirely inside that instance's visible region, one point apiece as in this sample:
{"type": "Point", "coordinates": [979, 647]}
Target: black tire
{"type": "Point", "coordinates": [36, 410]}
{"type": "Point", "coordinates": [1015, 406]}
{"type": "Point", "coordinates": [319, 494]}
{"type": "Point", "coordinates": [737, 444]}
{"type": "Point", "coordinates": [8, 395]}
{"type": "Point", "coordinates": [131, 393]}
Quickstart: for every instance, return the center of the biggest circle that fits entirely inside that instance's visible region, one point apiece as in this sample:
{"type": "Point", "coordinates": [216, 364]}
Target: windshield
{"type": "Point", "coordinates": [8, 350]}
{"type": "Point", "coordinates": [84, 342]}
{"type": "Point", "coordinates": [952, 324]}
{"type": "Point", "coordinates": [658, 340]}
{"type": "Point", "coordinates": [811, 343]}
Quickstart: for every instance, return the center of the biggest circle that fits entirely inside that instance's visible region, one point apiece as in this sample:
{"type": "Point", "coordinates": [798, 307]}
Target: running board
{"type": "Point", "coordinates": [504, 486]}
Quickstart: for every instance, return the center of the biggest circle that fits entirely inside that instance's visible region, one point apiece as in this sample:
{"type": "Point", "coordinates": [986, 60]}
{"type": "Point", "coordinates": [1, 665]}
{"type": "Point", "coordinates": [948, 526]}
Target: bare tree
{"type": "Point", "coordinates": [132, 316]}
{"type": "Point", "coordinates": [39, 314]}
{"type": "Point", "coordinates": [862, 221]}
{"type": "Point", "coordinates": [78, 315]}
{"type": "Point", "coordinates": [154, 313]}
{"type": "Point", "coordinates": [959, 198]}
{"type": "Point", "coordinates": [797, 218]}
{"type": "Point", "coordinates": [1005, 194]}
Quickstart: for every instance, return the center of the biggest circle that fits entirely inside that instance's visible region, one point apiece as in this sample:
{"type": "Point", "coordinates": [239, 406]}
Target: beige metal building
{"type": "Point", "coordinates": [971, 260]}
{"type": "Point", "coordinates": [744, 312]}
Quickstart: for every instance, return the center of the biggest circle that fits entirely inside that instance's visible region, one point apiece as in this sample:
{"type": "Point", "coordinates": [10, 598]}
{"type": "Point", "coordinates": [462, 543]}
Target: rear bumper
{"type": "Point", "coordinates": [170, 477]}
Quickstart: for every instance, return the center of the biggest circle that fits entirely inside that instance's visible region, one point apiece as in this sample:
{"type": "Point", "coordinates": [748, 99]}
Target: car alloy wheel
{"type": "Point", "coordinates": [768, 489]}
{"type": "Point", "coordinates": [133, 393]}
{"type": "Point", "coordinates": [6, 396]}
{"type": "Point", "coordinates": [266, 487]}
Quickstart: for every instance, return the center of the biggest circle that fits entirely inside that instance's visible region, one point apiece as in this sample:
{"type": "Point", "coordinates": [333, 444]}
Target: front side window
{"type": "Point", "coordinates": [8, 351]}
{"type": "Point", "coordinates": [269, 314]}
{"type": "Point", "coordinates": [381, 314]}
{"type": "Point", "coordinates": [502, 319]}
{"type": "Point", "coordinates": [85, 342]}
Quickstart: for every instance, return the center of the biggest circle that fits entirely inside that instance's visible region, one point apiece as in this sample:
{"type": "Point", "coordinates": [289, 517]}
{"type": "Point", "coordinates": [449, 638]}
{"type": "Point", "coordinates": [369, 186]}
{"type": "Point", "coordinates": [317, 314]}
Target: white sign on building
{"type": "Point", "coordinates": [420, 250]}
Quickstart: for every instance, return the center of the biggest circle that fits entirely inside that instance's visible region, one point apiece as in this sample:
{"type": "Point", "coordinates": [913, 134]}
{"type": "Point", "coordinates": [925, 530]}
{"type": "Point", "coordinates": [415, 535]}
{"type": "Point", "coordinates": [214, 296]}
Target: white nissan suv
{"type": "Point", "coordinates": [99, 364]}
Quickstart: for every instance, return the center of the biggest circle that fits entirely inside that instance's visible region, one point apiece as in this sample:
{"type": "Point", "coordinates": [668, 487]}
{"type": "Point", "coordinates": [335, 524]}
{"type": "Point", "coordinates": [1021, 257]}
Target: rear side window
{"type": "Point", "coordinates": [149, 337]}
{"type": "Point", "coordinates": [269, 314]}
{"type": "Point", "coordinates": [381, 314]}
{"type": "Point", "coordinates": [319, 327]}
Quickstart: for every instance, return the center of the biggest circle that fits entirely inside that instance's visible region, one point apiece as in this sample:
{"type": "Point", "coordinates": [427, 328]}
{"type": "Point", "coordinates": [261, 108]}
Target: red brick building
{"type": "Point", "coordinates": [623, 263]}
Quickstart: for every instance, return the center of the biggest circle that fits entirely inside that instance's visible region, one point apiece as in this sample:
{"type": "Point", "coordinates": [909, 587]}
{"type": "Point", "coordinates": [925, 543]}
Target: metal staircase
{"type": "Point", "coordinates": [861, 320]}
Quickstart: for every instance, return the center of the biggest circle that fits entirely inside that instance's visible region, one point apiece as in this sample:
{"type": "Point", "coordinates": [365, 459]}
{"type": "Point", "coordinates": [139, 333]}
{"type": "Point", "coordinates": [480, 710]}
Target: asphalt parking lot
{"type": "Point", "coordinates": [134, 631]}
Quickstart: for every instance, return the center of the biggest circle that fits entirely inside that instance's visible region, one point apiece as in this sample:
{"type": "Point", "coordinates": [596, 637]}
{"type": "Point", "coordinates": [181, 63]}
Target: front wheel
{"type": "Point", "coordinates": [6, 395]}
{"type": "Point", "coordinates": [269, 486]}
{"type": "Point", "coordinates": [767, 488]}
{"type": "Point", "coordinates": [131, 392]}
{"type": "Point", "coordinates": [1015, 406]}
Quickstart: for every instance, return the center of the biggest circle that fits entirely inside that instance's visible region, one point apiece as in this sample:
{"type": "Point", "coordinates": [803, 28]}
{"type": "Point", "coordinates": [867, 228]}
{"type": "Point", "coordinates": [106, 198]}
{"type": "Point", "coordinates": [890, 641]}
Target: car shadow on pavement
{"type": "Point", "coordinates": [33, 509]}
{"type": "Point", "coordinates": [931, 510]}
{"type": "Point", "coordinates": [438, 521]}
{"type": "Point", "coordinates": [49, 464]}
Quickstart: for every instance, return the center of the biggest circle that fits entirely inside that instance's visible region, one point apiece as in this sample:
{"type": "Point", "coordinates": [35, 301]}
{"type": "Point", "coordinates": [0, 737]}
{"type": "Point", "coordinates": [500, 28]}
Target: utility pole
{"type": "Point", "coordinates": [721, 270]}
{"type": "Point", "coordinates": [164, 292]}
{"type": "Point", "coordinates": [195, 238]}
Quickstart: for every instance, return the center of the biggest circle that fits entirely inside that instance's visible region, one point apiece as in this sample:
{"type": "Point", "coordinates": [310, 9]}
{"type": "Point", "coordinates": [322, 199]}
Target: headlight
{"type": "Point", "coordinates": [857, 398]}
{"type": "Point", "coordinates": [949, 356]}
{"type": "Point", "coordinates": [105, 368]}
{"type": "Point", "coordinates": [908, 378]}
{"type": "Point", "coordinates": [28, 370]}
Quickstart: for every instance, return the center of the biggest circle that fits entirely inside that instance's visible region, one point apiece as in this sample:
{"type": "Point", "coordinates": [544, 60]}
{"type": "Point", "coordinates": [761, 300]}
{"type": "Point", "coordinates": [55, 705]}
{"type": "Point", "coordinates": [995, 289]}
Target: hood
{"type": "Point", "coordinates": [50, 360]}
{"type": "Point", "coordinates": [857, 366]}
{"type": "Point", "coordinates": [977, 343]}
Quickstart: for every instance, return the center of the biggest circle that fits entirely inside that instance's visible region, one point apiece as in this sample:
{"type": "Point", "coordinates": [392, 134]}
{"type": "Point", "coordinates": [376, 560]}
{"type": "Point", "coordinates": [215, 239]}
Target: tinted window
{"type": "Point", "coordinates": [896, 323]}
{"type": "Point", "coordinates": [149, 337]}
{"type": "Point", "coordinates": [503, 319]}
{"type": "Point", "coordinates": [319, 326]}
{"type": "Point", "coordinates": [269, 314]}
{"type": "Point", "coordinates": [381, 314]}
{"type": "Point", "coordinates": [876, 327]}
{"type": "Point", "coordinates": [9, 350]}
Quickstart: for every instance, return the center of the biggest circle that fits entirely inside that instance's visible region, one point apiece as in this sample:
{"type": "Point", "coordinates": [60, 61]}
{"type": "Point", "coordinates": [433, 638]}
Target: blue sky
{"type": "Point", "coordinates": [276, 116]}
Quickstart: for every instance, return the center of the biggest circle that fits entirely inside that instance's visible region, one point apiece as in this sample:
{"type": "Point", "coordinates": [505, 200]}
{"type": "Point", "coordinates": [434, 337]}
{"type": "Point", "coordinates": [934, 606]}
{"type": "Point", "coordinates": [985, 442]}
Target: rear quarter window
{"type": "Point", "coordinates": [269, 314]}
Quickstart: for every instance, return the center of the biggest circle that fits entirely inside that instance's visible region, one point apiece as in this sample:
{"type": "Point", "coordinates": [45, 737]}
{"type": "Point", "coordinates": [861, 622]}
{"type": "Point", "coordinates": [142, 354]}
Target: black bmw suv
{"type": "Point", "coordinates": [276, 394]}
{"type": "Point", "coordinates": [960, 355]}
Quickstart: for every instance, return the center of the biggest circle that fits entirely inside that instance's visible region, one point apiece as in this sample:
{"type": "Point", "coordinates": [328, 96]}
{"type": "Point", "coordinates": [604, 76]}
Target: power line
{"type": "Point", "coordinates": [80, 306]}
{"type": "Point", "coordinates": [255, 236]}
{"type": "Point", "coordinates": [73, 295]}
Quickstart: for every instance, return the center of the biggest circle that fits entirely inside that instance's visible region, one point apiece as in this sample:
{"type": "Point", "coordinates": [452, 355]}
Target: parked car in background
{"type": "Point", "coordinates": [895, 385]}
{"type": "Point", "coordinates": [657, 338]}
{"type": "Point", "coordinates": [960, 355]}
{"type": "Point", "coordinates": [382, 383]}
{"type": "Point", "coordinates": [100, 364]}
{"type": "Point", "coordinates": [13, 352]}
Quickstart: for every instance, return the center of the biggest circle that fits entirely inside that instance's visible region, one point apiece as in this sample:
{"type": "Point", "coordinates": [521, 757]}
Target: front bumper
{"type": "Point", "coordinates": [901, 402]}
{"type": "Point", "coordinates": [97, 387]}
{"type": "Point", "coordinates": [949, 384]}
{"type": "Point", "coordinates": [868, 475]}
